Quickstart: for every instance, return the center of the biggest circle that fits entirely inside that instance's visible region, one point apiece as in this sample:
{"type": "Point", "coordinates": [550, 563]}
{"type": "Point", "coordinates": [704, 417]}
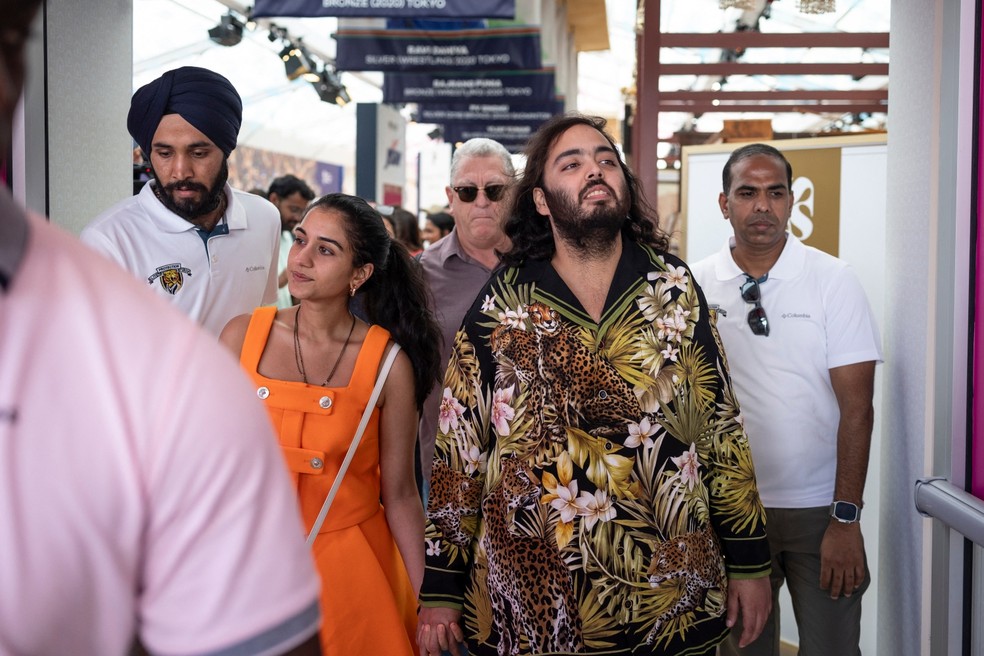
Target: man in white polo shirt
{"type": "Point", "coordinates": [131, 504]}
{"type": "Point", "coordinates": [802, 345]}
{"type": "Point", "coordinates": [192, 238]}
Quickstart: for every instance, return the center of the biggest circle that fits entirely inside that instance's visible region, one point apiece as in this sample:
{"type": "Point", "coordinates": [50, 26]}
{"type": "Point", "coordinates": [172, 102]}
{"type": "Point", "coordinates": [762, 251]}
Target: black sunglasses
{"type": "Point", "coordinates": [468, 194]}
{"type": "Point", "coordinates": [757, 321]}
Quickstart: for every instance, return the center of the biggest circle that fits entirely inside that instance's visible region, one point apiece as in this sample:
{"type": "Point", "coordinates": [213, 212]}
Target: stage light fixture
{"type": "Point", "coordinates": [330, 88]}
{"type": "Point", "coordinates": [228, 32]}
{"type": "Point", "coordinates": [297, 63]}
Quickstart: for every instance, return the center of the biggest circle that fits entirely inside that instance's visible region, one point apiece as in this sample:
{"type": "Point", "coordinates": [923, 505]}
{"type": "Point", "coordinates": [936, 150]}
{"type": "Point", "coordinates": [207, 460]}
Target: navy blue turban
{"type": "Point", "coordinates": [203, 98]}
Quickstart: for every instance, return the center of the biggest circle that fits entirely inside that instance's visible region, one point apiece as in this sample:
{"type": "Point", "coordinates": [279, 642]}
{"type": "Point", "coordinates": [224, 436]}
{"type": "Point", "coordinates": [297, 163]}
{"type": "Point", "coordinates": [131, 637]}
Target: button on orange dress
{"type": "Point", "coordinates": [367, 601]}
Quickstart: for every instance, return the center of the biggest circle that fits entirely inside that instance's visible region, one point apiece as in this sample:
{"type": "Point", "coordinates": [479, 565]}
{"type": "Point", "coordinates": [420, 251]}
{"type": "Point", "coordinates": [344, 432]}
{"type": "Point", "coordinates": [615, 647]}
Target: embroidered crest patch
{"type": "Point", "coordinates": [171, 277]}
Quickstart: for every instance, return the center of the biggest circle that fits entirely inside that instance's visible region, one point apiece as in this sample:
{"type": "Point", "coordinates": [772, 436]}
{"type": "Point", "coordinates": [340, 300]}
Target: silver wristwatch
{"type": "Point", "coordinates": [845, 512]}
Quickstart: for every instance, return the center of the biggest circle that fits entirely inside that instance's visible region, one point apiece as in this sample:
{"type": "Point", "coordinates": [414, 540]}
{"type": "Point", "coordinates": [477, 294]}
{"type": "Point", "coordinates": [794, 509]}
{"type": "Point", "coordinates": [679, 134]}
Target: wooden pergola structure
{"type": "Point", "coordinates": [650, 102]}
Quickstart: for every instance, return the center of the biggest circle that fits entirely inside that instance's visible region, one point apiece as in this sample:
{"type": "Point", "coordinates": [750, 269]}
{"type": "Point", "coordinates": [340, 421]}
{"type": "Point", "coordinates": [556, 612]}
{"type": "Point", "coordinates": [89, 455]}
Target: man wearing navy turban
{"type": "Point", "coordinates": [207, 247]}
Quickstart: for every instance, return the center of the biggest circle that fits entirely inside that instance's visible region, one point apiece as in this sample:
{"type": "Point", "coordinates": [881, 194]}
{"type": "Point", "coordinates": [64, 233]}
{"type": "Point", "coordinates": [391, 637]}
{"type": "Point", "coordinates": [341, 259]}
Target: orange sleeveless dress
{"type": "Point", "coordinates": [367, 602]}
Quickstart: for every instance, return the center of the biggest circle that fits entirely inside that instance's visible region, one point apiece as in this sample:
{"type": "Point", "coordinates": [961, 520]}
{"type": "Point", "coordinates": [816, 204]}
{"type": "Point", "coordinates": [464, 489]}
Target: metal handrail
{"type": "Point", "coordinates": [939, 499]}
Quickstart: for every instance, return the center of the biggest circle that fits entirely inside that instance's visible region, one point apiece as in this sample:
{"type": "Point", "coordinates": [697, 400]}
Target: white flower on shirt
{"type": "Point", "coordinates": [450, 412]}
{"type": "Point", "coordinates": [502, 412]}
{"type": "Point", "coordinates": [433, 547]}
{"type": "Point", "coordinates": [689, 466]}
{"type": "Point", "coordinates": [488, 304]}
{"type": "Point", "coordinates": [676, 277]}
{"type": "Point", "coordinates": [514, 318]}
{"type": "Point", "coordinates": [566, 501]}
{"type": "Point", "coordinates": [595, 507]}
{"type": "Point", "coordinates": [641, 433]}
{"type": "Point", "coordinates": [670, 353]}
{"type": "Point", "coordinates": [474, 459]}
{"type": "Point", "coordinates": [562, 490]}
{"type": "Point", "coordinates": [672, 326]}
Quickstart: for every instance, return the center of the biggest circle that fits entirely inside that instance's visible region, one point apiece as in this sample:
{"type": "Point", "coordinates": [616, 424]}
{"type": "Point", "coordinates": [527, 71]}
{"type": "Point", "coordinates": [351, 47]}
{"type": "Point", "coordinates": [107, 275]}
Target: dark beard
{"type": "Point", "coordinates": [592, 233]}
{"type": "Point", "coordinates": [190, 210]}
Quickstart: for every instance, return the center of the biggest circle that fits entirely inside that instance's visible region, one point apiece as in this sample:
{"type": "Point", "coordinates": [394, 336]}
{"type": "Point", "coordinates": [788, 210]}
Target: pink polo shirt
{"type": "Point", "coordinates": [141, 488]}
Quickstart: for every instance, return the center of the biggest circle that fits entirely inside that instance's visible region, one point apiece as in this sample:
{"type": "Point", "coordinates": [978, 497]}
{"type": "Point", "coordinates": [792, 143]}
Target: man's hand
{"type": "Point", "coordinates": [438, 630]}
{"type": "Point", "coordinates": [753, 599]}
{"type": "Point", "coordinates": [842, 559]}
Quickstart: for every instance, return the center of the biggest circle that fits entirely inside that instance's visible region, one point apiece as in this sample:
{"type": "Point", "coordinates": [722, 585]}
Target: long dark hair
{"type": "Point", "coordinates": [395, 295]}
{"type": "Point", "coordinates": [407, 228]}
{"type": "Point", "coordinates": [530, 232]}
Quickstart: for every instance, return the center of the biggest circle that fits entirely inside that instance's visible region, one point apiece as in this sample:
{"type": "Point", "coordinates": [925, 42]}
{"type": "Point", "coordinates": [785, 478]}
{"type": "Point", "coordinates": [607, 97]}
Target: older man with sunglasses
{"type": "Point", "coordinates": [458, 265]}
{"type": "Point", "coordinates": [802, 347]}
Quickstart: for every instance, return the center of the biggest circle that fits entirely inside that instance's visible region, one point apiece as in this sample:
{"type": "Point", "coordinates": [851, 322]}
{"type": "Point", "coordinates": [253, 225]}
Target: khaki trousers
{"type": "Point", "coordinates": [827, 627]}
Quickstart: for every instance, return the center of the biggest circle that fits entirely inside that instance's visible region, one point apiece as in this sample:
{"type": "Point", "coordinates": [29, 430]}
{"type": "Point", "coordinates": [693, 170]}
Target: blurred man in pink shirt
{"type": "Point", "coordinates": [142, 493]}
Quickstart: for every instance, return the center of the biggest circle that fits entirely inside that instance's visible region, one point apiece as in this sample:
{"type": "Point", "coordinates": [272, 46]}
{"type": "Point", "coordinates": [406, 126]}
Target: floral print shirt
{"type": "Point", "coordinates": [593, 488]}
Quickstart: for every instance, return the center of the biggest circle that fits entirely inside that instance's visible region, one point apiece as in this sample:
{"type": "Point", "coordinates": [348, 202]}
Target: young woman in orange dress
{"type": "Point", "coordinates": [315, 365]}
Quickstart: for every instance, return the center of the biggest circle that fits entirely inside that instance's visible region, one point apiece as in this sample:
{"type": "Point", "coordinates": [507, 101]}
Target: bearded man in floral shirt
{"type": "Point", "coordinates": [592, 487]}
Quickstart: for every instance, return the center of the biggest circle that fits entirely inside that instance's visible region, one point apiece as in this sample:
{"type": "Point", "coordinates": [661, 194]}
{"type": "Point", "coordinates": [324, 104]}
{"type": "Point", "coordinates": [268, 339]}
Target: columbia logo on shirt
{"type": "Point", "coordinates": [796, 315]}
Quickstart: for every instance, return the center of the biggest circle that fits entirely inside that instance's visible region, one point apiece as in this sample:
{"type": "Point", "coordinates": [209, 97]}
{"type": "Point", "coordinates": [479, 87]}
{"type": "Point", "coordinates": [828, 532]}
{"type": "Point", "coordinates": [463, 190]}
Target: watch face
{"type": "Point", "coordinates": [844, 511]}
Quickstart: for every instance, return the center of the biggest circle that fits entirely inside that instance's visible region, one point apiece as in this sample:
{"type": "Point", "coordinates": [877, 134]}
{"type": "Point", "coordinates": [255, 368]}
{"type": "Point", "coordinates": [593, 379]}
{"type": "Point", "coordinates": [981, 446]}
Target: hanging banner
{"type": "Point", "coordinates": [386, 8]}
{"type": "Point", "coordinates": [498, 86]}
{"type": "Point", "coordinates": [411, 50]}
{"type": "Point", "coordinates": [436, 24]}
{"type": "Point", "coordinates": [512, 133]}
{"type": "Point", "coordinates": [328, 177]}
{"type": "Point", "coordinates": [489, 112]}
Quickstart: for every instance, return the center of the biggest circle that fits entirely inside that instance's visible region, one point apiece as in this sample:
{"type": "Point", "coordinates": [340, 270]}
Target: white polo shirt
{"type": "Point", "coordinates": [819, 318]}
{"type": "Point", "coordinates": [142, 490]}
{"type": "Point", "coordinates": [236, 273]}
{"type": "Point", "coordinates": [284, 299]}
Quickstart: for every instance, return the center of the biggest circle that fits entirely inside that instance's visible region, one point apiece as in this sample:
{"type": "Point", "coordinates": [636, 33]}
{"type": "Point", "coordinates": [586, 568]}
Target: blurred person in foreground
{"type": "Point", "coordinates": [315, 365]}
{"type": "Point", "coordinates": [134, 506]}
{"type": "Point", "coordinates": [208, 248]}
{"type": "Point", "coordinates": [592, 489]}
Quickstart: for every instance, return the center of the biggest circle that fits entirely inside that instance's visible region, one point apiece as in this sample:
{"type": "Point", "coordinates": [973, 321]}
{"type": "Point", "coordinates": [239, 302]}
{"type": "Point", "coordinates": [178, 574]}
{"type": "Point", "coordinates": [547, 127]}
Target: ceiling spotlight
{"type": "Point", "coordinates": [228, 32]}
{"type": "Point", "coordinates": [298, 63]}
{"type": "Point", "coordinates": [330, 88]}
{"type": "Point", "coordinates": [275, 32]}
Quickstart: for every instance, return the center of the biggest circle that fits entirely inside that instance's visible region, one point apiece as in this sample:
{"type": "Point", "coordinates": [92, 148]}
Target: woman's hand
{"type": "Point", "coordinates": [438, 630]}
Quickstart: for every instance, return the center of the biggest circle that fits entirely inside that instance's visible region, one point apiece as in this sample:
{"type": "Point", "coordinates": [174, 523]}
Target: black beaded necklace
{"type": "Point", "coordinates": [299, 357]}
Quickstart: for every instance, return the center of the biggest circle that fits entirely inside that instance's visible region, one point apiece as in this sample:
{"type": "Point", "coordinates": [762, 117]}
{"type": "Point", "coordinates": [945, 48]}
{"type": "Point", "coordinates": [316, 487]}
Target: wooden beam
{"type": "Point", "coordinates": [645, 120]}
{"type": "Point", "coordinates": [724, 69]}
{"type": "Point", "coordinates": [751, 39]}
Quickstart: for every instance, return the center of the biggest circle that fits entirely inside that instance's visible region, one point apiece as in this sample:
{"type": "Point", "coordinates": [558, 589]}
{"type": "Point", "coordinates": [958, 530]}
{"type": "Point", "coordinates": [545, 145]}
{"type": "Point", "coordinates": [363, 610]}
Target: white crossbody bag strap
{"type": "Point", "coordinates": [373, 398]}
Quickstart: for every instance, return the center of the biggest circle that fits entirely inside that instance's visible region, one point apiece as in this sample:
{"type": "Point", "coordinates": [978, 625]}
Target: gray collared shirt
{"type": "Point", "coordinates": [453, 279]}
